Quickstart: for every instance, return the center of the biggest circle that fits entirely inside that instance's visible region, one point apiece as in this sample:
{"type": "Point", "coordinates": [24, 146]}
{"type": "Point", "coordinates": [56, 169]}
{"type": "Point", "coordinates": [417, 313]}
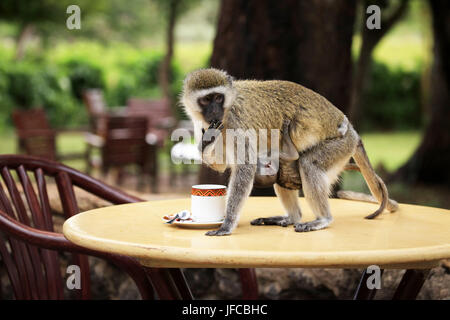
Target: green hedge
{"type": "Point", "coordinates": [392, 100]}
{"type": "Point", "coordinates": [27, 85]}
{"type": "Point", "coordinates": [58, 86]}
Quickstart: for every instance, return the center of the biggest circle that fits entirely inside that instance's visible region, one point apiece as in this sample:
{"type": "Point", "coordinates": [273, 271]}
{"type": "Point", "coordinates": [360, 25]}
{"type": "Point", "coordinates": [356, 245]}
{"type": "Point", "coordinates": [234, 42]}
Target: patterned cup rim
{"type": "Point", "coordinates": [209, 190]}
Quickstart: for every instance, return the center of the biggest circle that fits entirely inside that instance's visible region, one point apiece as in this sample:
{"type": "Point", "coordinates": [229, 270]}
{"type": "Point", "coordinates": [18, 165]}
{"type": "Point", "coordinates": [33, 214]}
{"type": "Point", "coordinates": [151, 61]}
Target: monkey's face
{"type": "Point", "coordinates": [207, 94]}
{"type": "Point", "coordinates": [211, 106]}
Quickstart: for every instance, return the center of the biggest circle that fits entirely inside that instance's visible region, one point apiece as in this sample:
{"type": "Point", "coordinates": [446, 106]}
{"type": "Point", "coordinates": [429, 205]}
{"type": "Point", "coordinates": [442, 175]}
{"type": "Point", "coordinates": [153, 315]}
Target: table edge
{"type": "Point", "coordinates": [157, 255]}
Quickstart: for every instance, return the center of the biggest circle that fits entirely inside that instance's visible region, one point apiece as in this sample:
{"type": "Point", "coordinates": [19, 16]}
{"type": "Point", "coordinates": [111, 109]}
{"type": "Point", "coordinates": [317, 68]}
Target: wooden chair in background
{"type": "Point", "coordinates": [161, 122]}
{"type": "Point", "coordinates": [94, 101]}
{"type": "Point", "coordinates": [159, 116]}
{"type": "Point", "coordinates": [98, 112]}
{"type": "Point", "coordinates": [124, 144]}
{"type": "Point", "coordinates": [185, 152]}
{"type": "Point", "coordinates": [35, 136]}
{"type": "Point", "coordinates": [29, 246]}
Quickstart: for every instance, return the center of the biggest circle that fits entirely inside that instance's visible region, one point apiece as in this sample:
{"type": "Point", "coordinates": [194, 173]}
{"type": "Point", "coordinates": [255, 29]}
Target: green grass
{"type": "Point", "coordinates": [192, 55]}
{"type": "Point", "coordinates": [408, 45]}
{"type": "Point", "coordinates": [390, 149]}
{"type": "Point", "coordinates": [408, 52]}
{"type": "Point", "coordinates": [7, 142]}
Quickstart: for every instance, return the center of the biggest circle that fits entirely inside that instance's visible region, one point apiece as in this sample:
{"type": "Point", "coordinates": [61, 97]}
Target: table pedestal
{"type": "Point", "coordinates": [170, 283]}
{"type": "Point", "coordinates": [408, 289]}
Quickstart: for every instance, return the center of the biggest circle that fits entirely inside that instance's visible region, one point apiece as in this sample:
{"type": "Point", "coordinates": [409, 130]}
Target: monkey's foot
{"type": "Point", "coordinates": [312, 225]}
{"type": "Point", "coordinates": [282, 221]}
{"type": "Point", "coordinates": [218, 232]}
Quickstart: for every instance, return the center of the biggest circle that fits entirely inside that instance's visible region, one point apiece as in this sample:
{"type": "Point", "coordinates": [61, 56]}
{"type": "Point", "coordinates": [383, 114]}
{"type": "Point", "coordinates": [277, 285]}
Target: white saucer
{"type": "Point", "coordinates": [195, 225]}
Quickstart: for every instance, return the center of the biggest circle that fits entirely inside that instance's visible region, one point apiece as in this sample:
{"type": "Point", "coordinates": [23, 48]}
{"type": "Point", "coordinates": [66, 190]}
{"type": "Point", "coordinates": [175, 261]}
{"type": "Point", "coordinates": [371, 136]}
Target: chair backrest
{"type": "Point", "coordinates": [94, 102]}
{"type": "Point", "coordinates": [155, 110]}
{"type": "Point", "coordinates": [158, 113]}
{"type": "Point", "coordinates": [35, 272]}
{"type": "Point", "coordinates": [125, 141]}
{"type": "Point", "coordinates": [35, 136]}
{"type": "Point", "coordinates": [33, 119]}
{"type": "Point", "coordinates": [39, 143]}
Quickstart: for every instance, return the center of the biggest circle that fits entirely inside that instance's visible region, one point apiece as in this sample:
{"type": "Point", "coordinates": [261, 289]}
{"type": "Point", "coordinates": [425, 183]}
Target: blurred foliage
{"type": "Point", "coordinates": [392, 99]}
{"type": "Point", "coordinates": [83, 75]}
{"type": "Point", "coordinates": [33, 11]}
{"type": "Point", "coordinates": [26, 85]}
{"type": "Point", "coordinates": [56, 80]}
{"type": "Point", "coordinates": [21, 85]}
{"type": "Point", "coordinates": [141, 78]}
{"type": "Point", "coordinates": [120, 47]}
{"type": "Point", "coordinates": [135, 21]}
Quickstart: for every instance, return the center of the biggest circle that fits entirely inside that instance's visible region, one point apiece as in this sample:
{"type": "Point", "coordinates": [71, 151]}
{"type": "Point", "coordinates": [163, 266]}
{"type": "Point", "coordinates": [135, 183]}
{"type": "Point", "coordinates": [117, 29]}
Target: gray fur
{"type": "Point", "coordinates": [240, 185]}
{"type": "Point", "coordinates": [289, 200]}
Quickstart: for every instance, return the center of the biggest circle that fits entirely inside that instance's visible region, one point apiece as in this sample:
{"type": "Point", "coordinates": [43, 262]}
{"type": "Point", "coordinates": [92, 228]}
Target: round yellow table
{"type": "Point", "coordinates": [414, 237]}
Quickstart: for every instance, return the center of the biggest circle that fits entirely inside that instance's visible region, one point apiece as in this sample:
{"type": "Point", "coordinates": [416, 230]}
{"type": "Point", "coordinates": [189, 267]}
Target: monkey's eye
{"type": "Point", "coordinates": [218, 98]}
{"type": "Point", "coordinates": [204, 101]}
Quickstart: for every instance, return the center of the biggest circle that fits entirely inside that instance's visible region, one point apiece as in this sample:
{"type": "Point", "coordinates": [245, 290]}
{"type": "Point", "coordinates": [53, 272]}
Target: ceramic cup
{"type": "Point", "coordinates": [208, 202]}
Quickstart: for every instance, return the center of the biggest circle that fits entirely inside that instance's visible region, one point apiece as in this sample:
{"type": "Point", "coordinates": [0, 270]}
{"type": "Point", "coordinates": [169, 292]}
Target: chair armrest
{"type": "Point", "coordinates": [94, 140]}
{"type": "Point", "coordinates": [117, 111]}
{"type": "Point", "coordinates": [24, 134]}
{"type": "Point", "coordinates": [78, 130]}
{"type": "Point", "coordinates": [166, 123]}
{"type": "Point", "coordinates": [57, 241]}
{"type": "Point", "coordinates": [187, 125]}
{"type": "Point", "coordinates": [45, 239]}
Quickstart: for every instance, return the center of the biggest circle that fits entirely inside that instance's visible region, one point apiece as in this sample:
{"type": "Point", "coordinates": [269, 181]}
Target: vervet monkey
{"type": "Point", "coordinates": [285, 173]}
{"type": "Point", "coordinates": [211, 95]}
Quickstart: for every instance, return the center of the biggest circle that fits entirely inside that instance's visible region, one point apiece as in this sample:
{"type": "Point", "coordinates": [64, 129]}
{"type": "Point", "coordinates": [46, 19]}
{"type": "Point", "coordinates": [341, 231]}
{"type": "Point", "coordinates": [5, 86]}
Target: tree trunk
{"type": "Point", "coordinates": [430, 162]}
{"type": "Point", "coordinates": [369, 40]}
{"type": "Point", "coordinates": [305, 41]}
{"type": "Point", "coordinates": [25, 30]}
{"type": "Point", "coordinates": [164, 72]}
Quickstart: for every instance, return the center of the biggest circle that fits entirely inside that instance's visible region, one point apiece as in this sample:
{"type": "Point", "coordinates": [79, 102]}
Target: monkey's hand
{"type": "Point", "coordinates": [219, 232]}
{"type": "Point", "coordinates": [212, 132]}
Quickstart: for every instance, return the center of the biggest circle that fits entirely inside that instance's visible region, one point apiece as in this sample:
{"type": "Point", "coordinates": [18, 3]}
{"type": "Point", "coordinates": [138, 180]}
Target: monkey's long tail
{"type": "Point", "coordinates": [374, 182]}
{"type": "Point", "coordinates": [392, 205]}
